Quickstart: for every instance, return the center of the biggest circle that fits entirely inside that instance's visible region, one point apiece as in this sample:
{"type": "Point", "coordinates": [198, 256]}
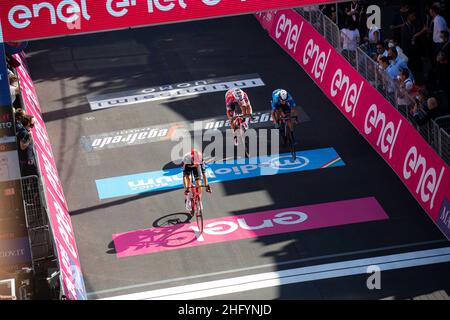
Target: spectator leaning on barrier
{"type": "Point", "coordinates": [373, 38]}
{"type": "Point", "coordinates": [14, 88]}
{"type": "Point", "coordinates": [406, 86]}
{"type": "Point", "coordinates": [401, 54]}
{"type": "Point", "coordinates": [380, 51]}
{"type": "Point", "coordinates": [390, 69]}
{"type": "Point", "coordinates": [350, 38]}
{"type": "Point", "coordinates": [18, 116]}
{"type": "Point", "coordinates": [424, 115]}
{"type": "Point", "coordinates": [26, 147]}
{"type": "Point", "coordinates": [396, 60]}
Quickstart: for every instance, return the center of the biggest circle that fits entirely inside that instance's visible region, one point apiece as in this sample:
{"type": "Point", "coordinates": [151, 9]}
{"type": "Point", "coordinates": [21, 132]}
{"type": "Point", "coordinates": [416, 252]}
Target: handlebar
{"type": "Point", "coordinates": [290, 117]}
{"type": "Point", "coordinates": [242, 116]}
{"type": "Point", "coordinates": [200, 186]}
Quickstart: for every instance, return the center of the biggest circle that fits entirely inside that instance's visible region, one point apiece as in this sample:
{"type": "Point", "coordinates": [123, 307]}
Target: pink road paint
{"type": "Point", "coordinates": [248, 226]}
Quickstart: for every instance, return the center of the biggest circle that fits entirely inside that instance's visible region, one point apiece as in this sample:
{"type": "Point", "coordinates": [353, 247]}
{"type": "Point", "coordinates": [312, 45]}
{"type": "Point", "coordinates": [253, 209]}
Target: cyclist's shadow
{"type": "Point", "coordinates": [169, 231]}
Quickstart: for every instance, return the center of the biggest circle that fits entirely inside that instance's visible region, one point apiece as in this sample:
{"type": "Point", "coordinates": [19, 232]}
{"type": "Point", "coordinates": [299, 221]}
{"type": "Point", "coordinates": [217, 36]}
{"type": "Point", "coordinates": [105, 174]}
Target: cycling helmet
{"type": "Point", "coordinates": [283, 95]}
{"type": "Point", "coordinates": [195, 157]}
{"type": "Point", "coordinates": [238, 94]}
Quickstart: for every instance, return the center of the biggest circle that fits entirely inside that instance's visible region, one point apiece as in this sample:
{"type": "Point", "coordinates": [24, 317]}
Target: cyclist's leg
{"type": "Point", "coordinates": [187, 179]}
{"type": "Point", "coordinates": [198, 178]}
{"type": "Point", "coordinates": [287, 113]}
{"type": "Point", "coordinates": [276, 117]}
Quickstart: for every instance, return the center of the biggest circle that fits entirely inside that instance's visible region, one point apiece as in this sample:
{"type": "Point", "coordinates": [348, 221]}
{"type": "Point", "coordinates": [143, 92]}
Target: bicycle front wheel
{"type": "Point", "coordinates": [290, 143]}
{"type": "Point", "coordinates": [199, 218]}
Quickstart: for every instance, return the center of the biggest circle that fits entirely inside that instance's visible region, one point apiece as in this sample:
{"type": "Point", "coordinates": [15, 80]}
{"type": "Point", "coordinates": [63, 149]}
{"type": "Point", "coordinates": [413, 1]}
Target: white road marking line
{"type": "Point", "coordinates": [141, 285]}
{"type": "Point", "coordinates": [312, 273]}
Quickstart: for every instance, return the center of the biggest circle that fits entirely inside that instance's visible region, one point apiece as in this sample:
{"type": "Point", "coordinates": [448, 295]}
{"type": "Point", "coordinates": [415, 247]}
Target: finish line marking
{"type": "Point", "coordinates": [297, 275]}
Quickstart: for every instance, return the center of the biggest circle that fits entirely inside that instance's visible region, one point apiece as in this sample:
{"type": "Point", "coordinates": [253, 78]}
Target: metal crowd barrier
{"type": "Point", "coordinates": [435, 132]}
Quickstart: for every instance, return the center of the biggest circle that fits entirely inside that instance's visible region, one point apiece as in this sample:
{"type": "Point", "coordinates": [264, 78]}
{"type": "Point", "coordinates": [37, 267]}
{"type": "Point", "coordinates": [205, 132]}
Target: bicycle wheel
{"type": "Point", "coordinates": [199, 216]}
{"type": "Point", "coordinates": [244, 143]}
{"type": "Point", "coordinates": [290, 142]}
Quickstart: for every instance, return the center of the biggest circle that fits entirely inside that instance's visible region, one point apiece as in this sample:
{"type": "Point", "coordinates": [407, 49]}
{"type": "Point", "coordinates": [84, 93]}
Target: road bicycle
{"type": "Point", "coordinates": [285, 132]}
{"type": "Point", "coordinates": [196, 205]}
{"type": "Point", "coordinates": [241, 122]}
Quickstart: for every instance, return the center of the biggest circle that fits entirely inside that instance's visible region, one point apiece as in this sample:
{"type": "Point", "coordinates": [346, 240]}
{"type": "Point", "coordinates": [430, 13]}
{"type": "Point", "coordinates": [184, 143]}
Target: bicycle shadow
{"type": "Point", "coordinates": [170, 231]}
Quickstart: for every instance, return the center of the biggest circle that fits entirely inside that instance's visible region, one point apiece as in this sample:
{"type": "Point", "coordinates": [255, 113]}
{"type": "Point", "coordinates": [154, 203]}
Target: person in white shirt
{"type": "Point", "coordinates": [393, 44]}
{"type": "Point", "coordinates": [350, 37]}
{"type": "Point", "coordinates": [406, 86]}
{"type": "Point", "coordinates": [439, 23]}
{"type": "Point", "coordinates": [14, 88]}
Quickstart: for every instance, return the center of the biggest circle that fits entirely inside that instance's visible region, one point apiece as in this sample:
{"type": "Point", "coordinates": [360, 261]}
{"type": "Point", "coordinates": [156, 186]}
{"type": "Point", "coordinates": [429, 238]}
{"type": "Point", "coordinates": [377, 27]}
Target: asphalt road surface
{"type": "Point", "coordinates": [319, 262]}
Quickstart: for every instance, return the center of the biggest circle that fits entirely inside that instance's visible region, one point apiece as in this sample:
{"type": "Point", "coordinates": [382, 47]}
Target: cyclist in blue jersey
{"type": "Point", "coordinates": [283, 105]}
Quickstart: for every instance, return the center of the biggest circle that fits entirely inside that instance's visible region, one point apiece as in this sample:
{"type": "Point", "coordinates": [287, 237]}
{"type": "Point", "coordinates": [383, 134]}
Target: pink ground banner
{"type": "Point", "coordinates": [58, 213]}
{"type": "Point", "coordinates": [424, 173]}
{"type": "Point", "coordinates": [247, 226]}
{"type": "Point", "coordinates": [34, 19]}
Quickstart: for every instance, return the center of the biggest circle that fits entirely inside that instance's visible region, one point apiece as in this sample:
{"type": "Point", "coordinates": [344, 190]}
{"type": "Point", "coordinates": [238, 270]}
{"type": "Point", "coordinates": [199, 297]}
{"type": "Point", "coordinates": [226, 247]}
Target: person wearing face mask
{"type": "Point", "coordinates": [400, 53]}
{"type": "Point", "coordinates": [380, 51]}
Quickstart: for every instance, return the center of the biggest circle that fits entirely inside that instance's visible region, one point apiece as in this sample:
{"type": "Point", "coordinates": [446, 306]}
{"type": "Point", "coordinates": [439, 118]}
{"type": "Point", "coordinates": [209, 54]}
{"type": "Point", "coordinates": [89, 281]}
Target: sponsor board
{"type": "Point", "coordinates": [58, 213]}
{"type": "Point", "coordinates": [9, 163]}
{"type": "Point", "coordinates": [15, 251]}
{"type": "Point", "coordinates": [35, 19]}
{"type": "Point", "coordinates": [172, 91]}
{"type": "Point", "coordinates": [423, 172]}
{"type": "Point", "coordinates": [137, 136]}
{"type": "Point", "coordinates": [247, 226]}
{"type": "Point", "coordinates": [219, 172]}
{"type": "Point", "coordinates": [443, 221]}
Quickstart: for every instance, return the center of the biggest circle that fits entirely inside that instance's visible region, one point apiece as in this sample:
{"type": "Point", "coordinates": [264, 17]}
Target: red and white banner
{"type": "Point", "coordinates": [424, 173]}
{"type": "Point", "coordinates": [72, 279]}
{"type": "Point", "coordinates": [32, 19]}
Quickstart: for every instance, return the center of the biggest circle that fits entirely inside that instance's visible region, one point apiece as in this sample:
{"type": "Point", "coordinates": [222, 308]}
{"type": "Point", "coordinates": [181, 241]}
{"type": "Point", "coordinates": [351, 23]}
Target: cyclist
{"type": "Point", "coordinates": [236, 97]}
{"type": "Point", "coordinates": [283, 105]}
{"type": "Point", "coordinates": [193, 163]}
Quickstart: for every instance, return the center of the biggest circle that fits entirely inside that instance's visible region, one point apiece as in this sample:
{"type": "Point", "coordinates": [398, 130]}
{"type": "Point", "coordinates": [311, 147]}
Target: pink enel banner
{"type": "Point", "coordinates": [420, 168]}
{"type": "Point", "coordinates": [252, 225]}
{"type": "Point", "coordinates": [33, 19]}
{"type": "Point", "coordinates": [58, 213]}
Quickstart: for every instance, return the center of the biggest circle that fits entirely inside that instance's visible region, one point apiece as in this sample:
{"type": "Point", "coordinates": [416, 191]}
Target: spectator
{"type": "Point", "coordinates": [380, 51]}
{"type": "Point", "coordinates": [442, 60]}
{"type": "Point", "coordinates": [399, 20]}
{"type": "Point", "coordinates": [26, 147]}
{"type": "Point", "coordinates": [18, 116]}
{"type": "Point", "coordinates": [406, 86]}
{"type": "Point", "coordinates": [410, 31]}
{"type": "Point", "coordinates": [14, 88]}
{"type": "Point", "coordinates": [350, 38]}
{"type": "Point", "coordinates": [401, 54]}
{"type": "Point", "coordinates": [330, 11]}
{"type": "Point", "coordinates": [396, 60]}
{"type": "Point", "coordinates": [422, 97]}
{"type": "Point", "coordinates": [424, 115]}
{"type": "Point", "coordinates": [373, 38]}
{"type": "Point", "coordinates": [390, 69]}
{"type": "Point", "coordinates": [353, 12]}
{"type": "Point", "coordinates": [439, 23]}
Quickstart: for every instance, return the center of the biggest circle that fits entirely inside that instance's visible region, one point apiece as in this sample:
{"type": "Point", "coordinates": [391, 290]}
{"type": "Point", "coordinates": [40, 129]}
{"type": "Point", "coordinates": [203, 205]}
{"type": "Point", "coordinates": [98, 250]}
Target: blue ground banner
{"type": "Point", "coordinates": [219, 172]}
